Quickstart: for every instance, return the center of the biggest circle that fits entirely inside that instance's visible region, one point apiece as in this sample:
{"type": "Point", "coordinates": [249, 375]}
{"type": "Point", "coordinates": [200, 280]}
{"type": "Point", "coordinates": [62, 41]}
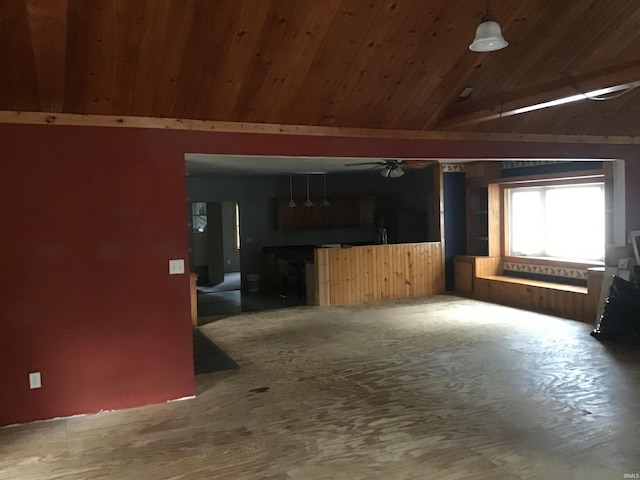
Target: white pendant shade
{"type": "Point", "coordinates": [488, 37]}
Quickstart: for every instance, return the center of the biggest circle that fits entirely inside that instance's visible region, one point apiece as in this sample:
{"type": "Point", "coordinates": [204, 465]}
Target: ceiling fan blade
{"type": "Point", "coordinates": [364, 164]}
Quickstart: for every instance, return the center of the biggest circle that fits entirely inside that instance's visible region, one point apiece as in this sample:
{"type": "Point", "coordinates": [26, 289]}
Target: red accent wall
{"type": "Point", "coordinates": [89, 219]}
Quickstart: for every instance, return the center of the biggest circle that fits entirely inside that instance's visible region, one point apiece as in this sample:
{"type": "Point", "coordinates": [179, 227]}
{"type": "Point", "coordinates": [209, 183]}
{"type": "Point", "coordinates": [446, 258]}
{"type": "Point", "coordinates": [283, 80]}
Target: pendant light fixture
{"type": "Point", "coordinates": [291, 203]}
{"type": "Point", "coordinates": [325, 202]}
{"type": "Point", "coordinates": [488, 35]}
{"type": "Point", "coordinates": [308, 203]}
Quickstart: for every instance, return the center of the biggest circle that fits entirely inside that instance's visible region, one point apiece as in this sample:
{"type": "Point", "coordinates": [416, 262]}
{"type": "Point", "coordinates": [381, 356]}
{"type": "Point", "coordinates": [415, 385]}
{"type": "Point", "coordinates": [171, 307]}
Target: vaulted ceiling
{"type": "Point", "coordinates": [390, 64]}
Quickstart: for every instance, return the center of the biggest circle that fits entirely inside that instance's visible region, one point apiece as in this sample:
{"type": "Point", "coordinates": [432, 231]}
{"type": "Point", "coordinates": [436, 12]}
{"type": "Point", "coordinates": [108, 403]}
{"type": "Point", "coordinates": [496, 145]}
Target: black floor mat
{"type": "Point", "coordinates": [208, 357]}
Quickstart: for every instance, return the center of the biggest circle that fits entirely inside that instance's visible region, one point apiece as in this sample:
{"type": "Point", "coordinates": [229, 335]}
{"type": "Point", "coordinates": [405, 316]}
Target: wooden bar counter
{"type": "Point", "coordinates": [377, 272]}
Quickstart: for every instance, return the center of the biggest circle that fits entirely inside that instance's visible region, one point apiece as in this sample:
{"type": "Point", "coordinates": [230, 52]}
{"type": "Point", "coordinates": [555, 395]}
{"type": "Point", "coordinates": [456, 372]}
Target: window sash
{"type": "Point", "coordinates": [237, 226]}
{"type": "Point", "coordinates": [545, 222]}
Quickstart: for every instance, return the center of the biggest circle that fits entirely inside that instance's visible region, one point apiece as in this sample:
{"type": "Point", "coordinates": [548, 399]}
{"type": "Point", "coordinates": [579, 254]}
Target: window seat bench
{"type": "Point", "coordinates": [537, 283]}
{"type": "Point", "coordinates": [487, 284]}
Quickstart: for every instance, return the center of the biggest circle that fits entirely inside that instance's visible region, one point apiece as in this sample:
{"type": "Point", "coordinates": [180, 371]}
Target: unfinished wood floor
{"type": "Point", "coordinates": [443, 388]}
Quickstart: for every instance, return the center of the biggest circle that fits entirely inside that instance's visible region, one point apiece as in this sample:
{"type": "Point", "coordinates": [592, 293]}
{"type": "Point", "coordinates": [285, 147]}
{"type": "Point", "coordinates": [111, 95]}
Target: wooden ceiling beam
{"type": "Point", "coordinates": [44, 118]}
{"type": "Point", "coordinates": [613, 78]}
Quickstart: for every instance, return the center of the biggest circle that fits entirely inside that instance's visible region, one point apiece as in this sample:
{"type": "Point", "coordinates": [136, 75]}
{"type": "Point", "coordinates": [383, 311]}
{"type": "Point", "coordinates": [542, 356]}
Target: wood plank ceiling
{"type": "Point", "coordinates": [398, 64]}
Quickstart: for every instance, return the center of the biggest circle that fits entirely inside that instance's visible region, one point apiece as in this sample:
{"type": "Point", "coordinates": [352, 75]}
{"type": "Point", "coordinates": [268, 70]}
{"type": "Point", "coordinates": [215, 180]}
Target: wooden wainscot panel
{"type": "Point", "coordinates": [470, 269]}
{"type": "Point", "coordinates": [487, 266]}
{"type": "Point", "coordinates": [463, 274]}
{"type": "Point", "coordinates": [322, 279]}
{"type": "Point", "coordinates": [378, 272]}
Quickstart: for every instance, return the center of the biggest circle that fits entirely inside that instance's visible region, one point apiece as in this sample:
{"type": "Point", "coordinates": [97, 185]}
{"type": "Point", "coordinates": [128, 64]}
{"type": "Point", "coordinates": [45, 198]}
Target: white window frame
{"type": "Point", "coordinates": [237, 225]}
{"type": "Point", "coordinates": [543, 189]}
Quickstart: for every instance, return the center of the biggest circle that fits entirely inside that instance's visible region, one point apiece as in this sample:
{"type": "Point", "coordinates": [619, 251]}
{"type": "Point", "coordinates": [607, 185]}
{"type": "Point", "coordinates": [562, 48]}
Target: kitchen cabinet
{"type": "Point", "coordinates": [342, 212]}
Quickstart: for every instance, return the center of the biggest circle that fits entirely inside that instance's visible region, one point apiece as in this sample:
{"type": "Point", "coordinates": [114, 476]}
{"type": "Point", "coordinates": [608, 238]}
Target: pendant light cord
{"type": "Point", "coordinates": [290, 188]}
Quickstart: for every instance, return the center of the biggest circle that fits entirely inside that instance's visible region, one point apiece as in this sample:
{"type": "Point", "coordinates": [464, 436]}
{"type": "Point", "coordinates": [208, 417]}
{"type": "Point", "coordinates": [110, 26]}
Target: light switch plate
{"type": "Point", "coordinates": [176, 267]}
{"type": "Point", "coordinates": [34, 380]}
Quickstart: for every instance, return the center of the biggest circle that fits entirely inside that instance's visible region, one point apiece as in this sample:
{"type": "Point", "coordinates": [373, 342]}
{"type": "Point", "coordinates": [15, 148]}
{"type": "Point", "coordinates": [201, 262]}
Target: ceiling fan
{"type": "Point", "coordinates": [392, 168]}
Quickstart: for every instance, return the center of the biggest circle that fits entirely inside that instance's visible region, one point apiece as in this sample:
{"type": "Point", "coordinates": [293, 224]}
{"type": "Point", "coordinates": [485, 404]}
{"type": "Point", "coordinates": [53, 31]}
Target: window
{"type": "Point", "coordinates": [199, 216]}
{"type": "Point", "coordinates": [237, 231]}
{"type": "Point", "coordinates": [560, 221]}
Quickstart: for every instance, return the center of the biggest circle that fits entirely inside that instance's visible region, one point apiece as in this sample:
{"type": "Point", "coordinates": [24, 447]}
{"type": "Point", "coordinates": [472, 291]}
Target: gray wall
{"type": "Point", "coordinates": [215, 256]}
{"type": "Point", "coordinates": [409, 216]}
{"type": "Point", "coordinates": [199, 249]}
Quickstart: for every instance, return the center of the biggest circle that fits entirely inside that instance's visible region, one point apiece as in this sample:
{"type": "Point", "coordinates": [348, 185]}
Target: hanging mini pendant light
{"type": "Point", "coordinates": [325, 202]}
{"type": "Point", "coordinates": [308, 203]}
{"type": "Point", "coordinates": [488, 35]}
{"type": "Point", "coordinates": [291, 203]}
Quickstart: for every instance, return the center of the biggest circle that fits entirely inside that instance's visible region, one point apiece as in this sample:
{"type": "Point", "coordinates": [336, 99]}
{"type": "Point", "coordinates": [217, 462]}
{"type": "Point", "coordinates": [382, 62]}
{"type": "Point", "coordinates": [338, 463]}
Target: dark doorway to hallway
{"type": "Point", "coordinates": [227, 298]}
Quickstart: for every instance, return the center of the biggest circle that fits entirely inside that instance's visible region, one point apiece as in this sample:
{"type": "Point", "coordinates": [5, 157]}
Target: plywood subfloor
{"type": "Point", "coordinates": [415, 389]}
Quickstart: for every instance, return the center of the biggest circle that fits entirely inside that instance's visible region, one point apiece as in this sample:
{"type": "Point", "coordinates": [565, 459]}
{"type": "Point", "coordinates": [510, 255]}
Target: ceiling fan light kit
{"type": "Point", "coordinates": [392, 172]}
{"type": "Point", "coordinates": [392, 168]}
{"type": "Point", "coordinates": [488, 35]}
{"type": "Point", "coordinates": [396, 172]}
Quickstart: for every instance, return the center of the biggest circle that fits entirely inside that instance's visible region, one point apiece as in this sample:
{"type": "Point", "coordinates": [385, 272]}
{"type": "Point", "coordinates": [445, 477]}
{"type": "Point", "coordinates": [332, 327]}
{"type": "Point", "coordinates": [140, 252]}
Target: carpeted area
{"type": "Point", "coordinates": [208, 357]}
{"type": "Point", "coordinates": [231, 282]}
{"type": "Point", "coordinates": [227, 299]}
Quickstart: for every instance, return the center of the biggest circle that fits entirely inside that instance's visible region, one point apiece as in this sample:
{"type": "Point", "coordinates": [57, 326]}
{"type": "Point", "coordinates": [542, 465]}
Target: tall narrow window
{"type": "Point", "coordinates": [565, 221]}
{"type": "Point", "coordinates": [237, 218]}
{"type": "Point", "coordinates": [199, 216]}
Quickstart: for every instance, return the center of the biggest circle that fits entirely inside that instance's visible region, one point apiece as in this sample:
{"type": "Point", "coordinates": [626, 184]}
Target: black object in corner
{"type": "Point", "coordinates": [620, 320]}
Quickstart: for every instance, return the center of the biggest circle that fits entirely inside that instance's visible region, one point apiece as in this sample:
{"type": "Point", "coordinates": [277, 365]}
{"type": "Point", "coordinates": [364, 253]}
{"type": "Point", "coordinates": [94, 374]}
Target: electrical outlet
{"type": "Point", "coordinates": [34, 380]}
{"type": "Point", "coordinates": [176, 267]}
